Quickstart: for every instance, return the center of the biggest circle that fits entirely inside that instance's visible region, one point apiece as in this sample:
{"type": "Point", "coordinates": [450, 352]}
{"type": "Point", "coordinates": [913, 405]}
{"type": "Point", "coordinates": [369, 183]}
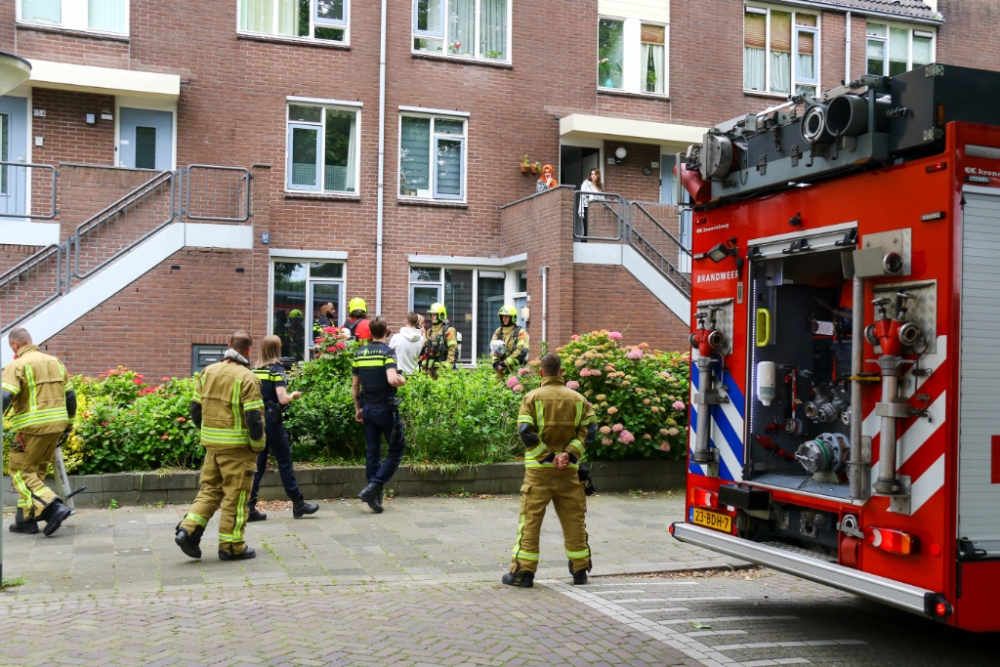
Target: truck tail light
{"type": "Point", "coordinates": [893, 541]}
{"type": "Point", "coordinates": [937, 606]}
{"type": "Point", "coordinates": [704, 497]}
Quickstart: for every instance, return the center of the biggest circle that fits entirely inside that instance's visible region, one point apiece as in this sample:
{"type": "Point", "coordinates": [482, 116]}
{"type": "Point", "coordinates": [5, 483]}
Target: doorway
{"type": "Point", "coordinates": [322, 292]}
{"type": "Point", "coordinates": [576, 163]}
{"type": "Point", "coordinates": [146, 139]}
{"type": "Point", "coordinates": [13, 148]}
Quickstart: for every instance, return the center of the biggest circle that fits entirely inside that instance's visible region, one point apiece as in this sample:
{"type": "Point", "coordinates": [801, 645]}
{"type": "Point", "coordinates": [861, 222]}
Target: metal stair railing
{"type": "Point", "coordinates": [23, 184]}
{"type": "Point", "coordinates": [613, 218]}
{"type": "Point", "coordinates": [117, 229]}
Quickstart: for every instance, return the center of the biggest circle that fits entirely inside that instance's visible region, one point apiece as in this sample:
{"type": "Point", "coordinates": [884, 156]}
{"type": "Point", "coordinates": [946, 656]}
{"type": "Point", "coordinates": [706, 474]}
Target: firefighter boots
{"type": "Point", "coordinates": [522, 579]}
{"type": "Point", "coordinates": [372, 494]}
{"type": "Point", "coordinates": [53, 515]}
{"type": "Point", "coordinates": [301, 508]}
{"type": "Point", "coordinates": [246, 554]}
{"type": "Point", "coordinates": [190, 543]}
{"type": "Point", "coordinates": [253, 514]}
{"type": "Point", "coordinates": [579, 577]}
{"type": "Point", "coordinates": [22, 525]}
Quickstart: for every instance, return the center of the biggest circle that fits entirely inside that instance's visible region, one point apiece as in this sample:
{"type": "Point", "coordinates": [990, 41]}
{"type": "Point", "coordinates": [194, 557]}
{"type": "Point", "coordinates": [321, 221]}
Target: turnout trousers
{"type": "Point", "coordinates": [226, 480]}
{"type": "Point", "coordinates": [565, 490]}
{"type": "Point", "coordinates": [30, 456]}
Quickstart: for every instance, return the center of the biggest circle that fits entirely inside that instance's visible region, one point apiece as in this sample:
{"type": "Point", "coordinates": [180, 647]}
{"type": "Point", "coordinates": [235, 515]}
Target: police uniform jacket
{"type": "Point", "coordinates": [39, 385]}
{"type": "Point", "coordinates": [562, 420]}
{"type": "Point", "coordinates": [226, 391]}
{"type": "Point", "coordinates": [271, 377]}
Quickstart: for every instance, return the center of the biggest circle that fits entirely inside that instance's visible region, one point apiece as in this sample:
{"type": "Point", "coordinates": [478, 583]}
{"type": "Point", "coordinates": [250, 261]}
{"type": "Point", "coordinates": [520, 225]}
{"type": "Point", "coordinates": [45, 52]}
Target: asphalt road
{"type": "Point", "coordinates": [760, 618]}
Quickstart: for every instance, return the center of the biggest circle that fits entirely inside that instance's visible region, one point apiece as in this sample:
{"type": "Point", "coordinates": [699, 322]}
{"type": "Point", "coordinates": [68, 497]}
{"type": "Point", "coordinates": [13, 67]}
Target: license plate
{"type": "Point", "coordinates": [713, 520]}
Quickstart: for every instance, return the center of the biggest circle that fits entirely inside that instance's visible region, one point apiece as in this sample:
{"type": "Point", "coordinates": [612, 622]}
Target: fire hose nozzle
{"type": "Point", "coordinates": [909, 333]}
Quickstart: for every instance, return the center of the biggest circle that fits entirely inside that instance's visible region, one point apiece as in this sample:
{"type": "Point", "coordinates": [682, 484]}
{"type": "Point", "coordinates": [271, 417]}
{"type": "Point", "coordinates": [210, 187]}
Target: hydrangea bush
{"type": "Point", "coordinates": [638, 394]}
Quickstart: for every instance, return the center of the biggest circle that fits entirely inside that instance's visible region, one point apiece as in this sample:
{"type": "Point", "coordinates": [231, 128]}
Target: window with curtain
{"type": "Point", "coordinates": [780, 51]}
{"type": "Point", "coordinates": [96, 15]}
{"type": "Point", "coordinates": [653, 39]}
{"type": "Point", "coordinates": [463, 28]}
{"type": "Point", "coordinates": [432, 157]}
{"type": "Point", "coordinates": [892, 50]}
{"type": "Point", "coordinates": [322, 149]}
{"type": "Point", "coordinates": [610, 53]}
{"type": "Point", "coordinates": [310, 19]}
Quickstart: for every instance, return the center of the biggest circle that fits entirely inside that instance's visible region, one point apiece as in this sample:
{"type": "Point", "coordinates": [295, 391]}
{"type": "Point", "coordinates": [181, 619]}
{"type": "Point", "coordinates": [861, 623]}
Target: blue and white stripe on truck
{"type": "Point", "coordinates": [726, 427]}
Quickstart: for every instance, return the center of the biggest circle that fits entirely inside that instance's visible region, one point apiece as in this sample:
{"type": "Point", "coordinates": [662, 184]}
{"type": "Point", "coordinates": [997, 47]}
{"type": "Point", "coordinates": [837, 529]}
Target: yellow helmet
{"type": "Point", "coordinates": [357, 303]}
{"type": "Point", "coordinates": [510, 311]}
{"type": "Point", "coordinates": [295, 313]}
{"type": "Point", "coordinates": [438, 310]}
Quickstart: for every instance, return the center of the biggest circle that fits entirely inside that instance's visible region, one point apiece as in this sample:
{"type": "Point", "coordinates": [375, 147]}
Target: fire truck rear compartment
{"type": "Point", "coordinates": [801, 322]}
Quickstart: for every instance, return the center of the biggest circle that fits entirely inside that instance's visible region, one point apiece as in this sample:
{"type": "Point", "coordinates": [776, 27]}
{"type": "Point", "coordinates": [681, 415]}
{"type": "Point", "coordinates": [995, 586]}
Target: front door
{"type": "Point", "coordinates": [13, 148]}
{"type": "Point", "coordinates": [322, 292]}
{"type": "Point", "coordinates": [146, 139]}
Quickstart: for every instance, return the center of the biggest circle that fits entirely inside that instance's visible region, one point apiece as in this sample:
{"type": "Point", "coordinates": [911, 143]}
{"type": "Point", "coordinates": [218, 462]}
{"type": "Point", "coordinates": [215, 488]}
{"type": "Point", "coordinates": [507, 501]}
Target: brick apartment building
{"type": "Point", "coordinates": [388, 167]}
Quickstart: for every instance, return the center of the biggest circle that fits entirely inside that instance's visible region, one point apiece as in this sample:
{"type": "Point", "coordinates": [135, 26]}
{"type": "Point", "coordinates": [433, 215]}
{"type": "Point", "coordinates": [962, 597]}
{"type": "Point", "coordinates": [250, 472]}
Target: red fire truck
{"type": "Point", "coordinates": [845, 416]}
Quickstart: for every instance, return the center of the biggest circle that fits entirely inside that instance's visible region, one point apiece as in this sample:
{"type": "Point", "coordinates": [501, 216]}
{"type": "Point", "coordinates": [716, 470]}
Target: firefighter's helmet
{"type": "Point", "coordinates": [438, 312]}
{"type": "Point", "coordinates": [296, 313]}
{"type": "Point", "coordinates": [356, 304]}
{"type": "Point", "coordinates": [510, 311]}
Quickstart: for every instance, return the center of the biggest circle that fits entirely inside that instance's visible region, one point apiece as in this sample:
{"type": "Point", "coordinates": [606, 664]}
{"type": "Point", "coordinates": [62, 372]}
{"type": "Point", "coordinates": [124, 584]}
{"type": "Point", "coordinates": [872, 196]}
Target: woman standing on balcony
{"type": "Point", "coordinates": [547, 180]}
{"type": "Point", "coordinates": [592, 184]}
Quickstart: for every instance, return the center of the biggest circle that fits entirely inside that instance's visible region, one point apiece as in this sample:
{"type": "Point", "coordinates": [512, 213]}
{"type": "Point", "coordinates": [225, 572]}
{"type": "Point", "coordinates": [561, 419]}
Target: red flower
{"type": "Point", "coordinates": [164, 437]}
{"type": "Point", "coordinates": [330, 330]}
{"type": "Point", "coordinates": [340, 346]}
{"type": "Point", "coordinates": [137, 380]}
{"type": "Point", "coordinates": [165, 379]}
{"type": "Point", "coordinates": [318, 341]}
{"type": "Point", "coordinates": [140, 376]}
{"type": "Point", "coordinates": [332, 348]}
{"type": "Point", "coordinates": [104, 423]}
{"type": "Point", "coordinates": [181, 419]}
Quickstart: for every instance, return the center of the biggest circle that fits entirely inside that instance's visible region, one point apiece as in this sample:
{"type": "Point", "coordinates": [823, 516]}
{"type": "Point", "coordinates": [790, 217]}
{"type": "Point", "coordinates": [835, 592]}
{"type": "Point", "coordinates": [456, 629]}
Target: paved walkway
{"type": "Point", "coordinates": [131, 549]}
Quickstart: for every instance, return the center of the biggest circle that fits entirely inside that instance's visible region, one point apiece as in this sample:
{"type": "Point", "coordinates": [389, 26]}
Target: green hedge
{"type": "Point", "coordinates": [465, 417]}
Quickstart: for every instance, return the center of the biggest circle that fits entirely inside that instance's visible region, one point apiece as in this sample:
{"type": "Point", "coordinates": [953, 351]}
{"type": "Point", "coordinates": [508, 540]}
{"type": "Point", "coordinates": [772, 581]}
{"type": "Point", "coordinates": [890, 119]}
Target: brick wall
{"type": "Point", "coordinates": [11, 255]}
{"type": "Point", "coordinates": [971, 36]}
{"type": "Point", "coordinates": [627, 178]}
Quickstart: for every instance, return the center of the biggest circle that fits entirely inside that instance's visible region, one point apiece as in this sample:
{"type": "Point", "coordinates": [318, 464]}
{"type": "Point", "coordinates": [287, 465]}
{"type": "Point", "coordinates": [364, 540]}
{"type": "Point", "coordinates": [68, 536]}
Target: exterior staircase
{"type": "Point", "coordinates": [195, 206]}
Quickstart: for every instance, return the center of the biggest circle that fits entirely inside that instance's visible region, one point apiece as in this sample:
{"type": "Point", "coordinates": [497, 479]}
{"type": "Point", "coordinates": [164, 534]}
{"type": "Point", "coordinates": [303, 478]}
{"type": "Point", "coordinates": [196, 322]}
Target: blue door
{"type": "Point", "coordinates": [146, 139]}
{"type": "Point", "coordinates": [13, 148]}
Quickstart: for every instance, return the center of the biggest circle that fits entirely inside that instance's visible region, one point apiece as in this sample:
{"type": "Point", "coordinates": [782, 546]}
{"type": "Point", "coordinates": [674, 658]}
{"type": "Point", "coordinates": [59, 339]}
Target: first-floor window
{"type": "Point", "coordinates": [473, 297]}
{"type": "Point", "coordinates": [469, 28]}
{"type": "Point", "coordinates": [432, 157]}
{"type": "Point", "coordinates": [299, 291]}
{"type": "Point", "coordinates": [892, 50]}
{"type": "Point", "coordinates": [100, 15]}
{"type": "Point", "coordinates": [780, 51]}
{"type": "Point", "coordinates": [322, 148]}
{"type": "Point", "coordinates": [631, 56]}
{"type": "Point", "coordinates": [610, 53]}
{"type": "Point", "coordinates": [311, 19]}
{"type": "Point", "coordinates": [652, 61]}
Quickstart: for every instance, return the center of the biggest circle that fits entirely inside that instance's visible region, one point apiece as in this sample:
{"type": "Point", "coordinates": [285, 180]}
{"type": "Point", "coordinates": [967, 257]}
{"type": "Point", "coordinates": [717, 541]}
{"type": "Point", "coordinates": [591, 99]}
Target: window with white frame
{"type": "Point", "coordinates": [632, 56]}
{"type": "Point", "coordinates": [432, 157]}
{"type": "Point", "coordinates": [310, 19]}
{"type": "Point", "coordinates": [780, 51]}
{"type": "Point", "coordinates": [299, 290]}
{"type": "Point", "coordinates": [892, 50]}
{"type": "Point", "coordinates": [472, 297]}
{"type": "Point", "coordinates": [96, 15]}
{"type": "Point", "coordinates": [464, 28]}
{"type": "Point", "coordinates": [323, 148]}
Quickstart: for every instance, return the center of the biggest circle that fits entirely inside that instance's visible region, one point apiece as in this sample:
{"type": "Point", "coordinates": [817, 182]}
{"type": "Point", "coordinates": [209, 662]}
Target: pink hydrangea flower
{"type": "Point", "coordinates": [518, 387]}
{"type": "Point", "coordinates": [654, 408]}
{"type": "Point", "coordinates": [605, 441]}
{"type": "Point", "coordinates": [612, 410]}
{"type": "Point", "coordinates": [645, 401]}
{"type": "Point", "coordinates": [646, 436]}
{"type": "Point", "coordinates": [674, 431]}
{"type": "Point", "coordinates": [635, 353]}
{"type": "Point", "coordinates": [626, 438]}
{"type": "Point", "coordinates": [679, 405]}
{"type": "Point", "coordinates": [617, 428]}
{"type": "Point", "coordinates": [573, 384]}
{"type": "Point", "coordinates": [605, 430]}
{"type": "Point", "coordinates": [511, 382]}
{"type": "Point", "coordinates": [523, 370]}
{"type": "Point", "coordinates": [614, 335]}
{"type": "Point", "coordinates": [664, 446]}
{"type": "Point", "coordinates": [664, 431]}
{"type": "Point", "coordinates": [600, 397]}
{"type": "Point", "coordinates": [575, 337]}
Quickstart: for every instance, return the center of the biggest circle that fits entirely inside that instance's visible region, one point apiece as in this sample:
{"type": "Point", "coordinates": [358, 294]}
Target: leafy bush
{"type": "Point", "coordinates": [639, 394]}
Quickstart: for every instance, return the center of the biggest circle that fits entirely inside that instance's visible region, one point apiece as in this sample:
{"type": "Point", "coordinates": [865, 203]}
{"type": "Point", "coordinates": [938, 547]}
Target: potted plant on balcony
{"type": "Point", "coordinates": [535, 168]}
{"type": "Point", "coordinates": [525, 164]}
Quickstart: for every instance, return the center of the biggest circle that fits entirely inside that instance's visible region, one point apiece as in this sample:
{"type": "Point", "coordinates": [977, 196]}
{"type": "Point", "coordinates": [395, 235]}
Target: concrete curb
{"type": "Point", "coordinates": [137, 488]}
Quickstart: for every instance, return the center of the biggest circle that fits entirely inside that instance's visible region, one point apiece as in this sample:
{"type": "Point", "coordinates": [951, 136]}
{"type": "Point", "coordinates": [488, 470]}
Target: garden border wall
{"type": "Point", "coordinates": [136, 488]}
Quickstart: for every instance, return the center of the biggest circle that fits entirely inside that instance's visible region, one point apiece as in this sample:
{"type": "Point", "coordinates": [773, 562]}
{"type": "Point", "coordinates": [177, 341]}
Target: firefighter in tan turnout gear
{"type": "Point", "coordinates": [228, 408]}
{"type": "Point", "coordinates": [42, 404]}
{"type": "Point", "coordinates": [509, 346]}
{"type": "Point", "coordinates": [555, 424]}
{"type": "Point", "coordinates": [441, 346]}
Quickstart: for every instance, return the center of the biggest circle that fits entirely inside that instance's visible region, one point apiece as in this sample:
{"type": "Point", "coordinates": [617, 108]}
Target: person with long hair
{"type": "Point", "coordinates": [273, 383]}
{"type": "Point", "coordinates": [592, 184]}
{"type": "Point", "coordinates": [547, 180]}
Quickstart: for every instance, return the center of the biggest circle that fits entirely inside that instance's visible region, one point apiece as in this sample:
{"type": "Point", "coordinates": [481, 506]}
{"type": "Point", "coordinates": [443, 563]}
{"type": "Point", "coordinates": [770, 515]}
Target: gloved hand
{"type": "Point", "coordinates": [499, 365]}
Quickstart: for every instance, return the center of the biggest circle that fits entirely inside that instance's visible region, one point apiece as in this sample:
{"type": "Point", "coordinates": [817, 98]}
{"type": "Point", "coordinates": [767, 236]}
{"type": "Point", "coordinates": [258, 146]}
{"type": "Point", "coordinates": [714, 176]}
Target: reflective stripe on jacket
{"type": "Point", "coordinates": [559, 416]}
{"type": "Point", "coordinates": [227, 390]}
{"type": "Point", "coordinates": [39, 384]}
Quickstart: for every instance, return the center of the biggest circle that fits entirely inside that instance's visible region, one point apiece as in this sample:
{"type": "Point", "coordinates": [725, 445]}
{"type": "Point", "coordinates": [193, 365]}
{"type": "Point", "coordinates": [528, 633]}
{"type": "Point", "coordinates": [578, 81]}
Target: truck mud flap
{"type": "Point", "coordinates": [899, 595]}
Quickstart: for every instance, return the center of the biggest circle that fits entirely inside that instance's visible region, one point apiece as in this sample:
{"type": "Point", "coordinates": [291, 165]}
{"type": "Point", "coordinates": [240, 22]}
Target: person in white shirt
{"type": "Point", "coordinates": [592, 184]}
{"type": "Point", "coordinates": [408, 343]}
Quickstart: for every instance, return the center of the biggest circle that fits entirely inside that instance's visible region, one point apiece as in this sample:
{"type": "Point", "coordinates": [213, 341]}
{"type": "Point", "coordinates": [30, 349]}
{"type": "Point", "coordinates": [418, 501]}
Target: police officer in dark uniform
{"type": "Point", "coordinates": [374, 388]}
{"type": "Point", "coordinates": [271, 374]}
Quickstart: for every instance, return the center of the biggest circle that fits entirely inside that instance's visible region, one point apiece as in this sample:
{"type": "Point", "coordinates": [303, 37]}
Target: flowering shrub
{"type": "Point", "coordinates": [637, 393]}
